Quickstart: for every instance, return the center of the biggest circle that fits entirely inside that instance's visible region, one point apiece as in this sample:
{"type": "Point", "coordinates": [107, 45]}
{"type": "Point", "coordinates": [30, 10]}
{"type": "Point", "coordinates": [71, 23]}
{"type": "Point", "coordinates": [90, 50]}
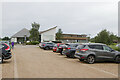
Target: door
{"type": "Point", "coordinates": [109, 53]}
{"type": "Point", "coordinates": [98, 50]}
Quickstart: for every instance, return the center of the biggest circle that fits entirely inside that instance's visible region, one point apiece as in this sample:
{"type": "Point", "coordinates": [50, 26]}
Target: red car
{"type": "Point", "coordinates": [56, 46]}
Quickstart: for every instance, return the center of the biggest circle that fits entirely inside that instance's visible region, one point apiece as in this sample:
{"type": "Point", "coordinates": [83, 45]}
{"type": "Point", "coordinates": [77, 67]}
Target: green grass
{"type": "Point", "coordinates": [114, 47]}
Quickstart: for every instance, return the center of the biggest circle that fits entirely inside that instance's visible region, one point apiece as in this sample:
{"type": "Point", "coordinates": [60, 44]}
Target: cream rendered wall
{"type": "Point", "coordinates": [14, 40]}
{"type": "Point", "coordinates": [49, 35]}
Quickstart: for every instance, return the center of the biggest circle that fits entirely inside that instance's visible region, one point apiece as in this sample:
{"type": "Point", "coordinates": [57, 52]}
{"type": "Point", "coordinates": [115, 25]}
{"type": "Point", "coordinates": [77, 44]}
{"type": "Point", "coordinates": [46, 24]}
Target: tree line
{"type": "Point", "coordinates": [106, 37]}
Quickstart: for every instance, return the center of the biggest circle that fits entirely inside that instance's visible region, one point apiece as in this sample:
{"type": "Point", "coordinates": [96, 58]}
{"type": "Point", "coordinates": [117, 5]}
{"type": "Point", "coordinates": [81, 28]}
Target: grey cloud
{"type": "Point", "coordinates": [81, 17]}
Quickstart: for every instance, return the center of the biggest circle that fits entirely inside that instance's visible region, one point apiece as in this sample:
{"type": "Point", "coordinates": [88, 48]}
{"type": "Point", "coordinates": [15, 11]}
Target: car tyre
{"type": "Point", "coordinates": [81, 59]}
{"type": "Point", "coordinates": [117, 59]}
{"type": "Point", "coordinates": [47, 48]}
{"type": "Point", "coordinates": [90, 59]}
{"type": "Point", "coordinates": [68, 56]}
{"type": "Point", "coordinates": [73, 55]}
{"type": "Point", "coordinates": [1, 60]}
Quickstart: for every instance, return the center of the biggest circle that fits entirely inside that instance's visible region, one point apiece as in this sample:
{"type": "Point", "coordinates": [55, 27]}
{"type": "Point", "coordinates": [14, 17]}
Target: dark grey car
{"type": "Point", "coordinates": [70, 50]}
{"type": "Point", "coordinates": [46, 45]}
{"type": "Point", "coordinates": [91, 52]}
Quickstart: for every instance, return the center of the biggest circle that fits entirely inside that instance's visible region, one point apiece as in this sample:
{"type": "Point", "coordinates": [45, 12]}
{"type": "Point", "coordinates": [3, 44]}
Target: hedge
{"type": "Point", "coordinates": [32, 43]}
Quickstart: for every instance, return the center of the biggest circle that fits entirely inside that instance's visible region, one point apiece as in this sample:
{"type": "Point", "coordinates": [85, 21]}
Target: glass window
{"type": "Point", "coordinates": [81, 46]}
{"type": "Point", "coordinates": [100, 47]}
{"type": "Point", "coordinates": [107, 48]}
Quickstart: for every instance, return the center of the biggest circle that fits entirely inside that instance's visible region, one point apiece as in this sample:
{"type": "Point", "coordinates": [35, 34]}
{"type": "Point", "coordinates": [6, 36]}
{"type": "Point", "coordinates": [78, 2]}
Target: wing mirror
{"type": "Point", "coordinates": [112, 50]}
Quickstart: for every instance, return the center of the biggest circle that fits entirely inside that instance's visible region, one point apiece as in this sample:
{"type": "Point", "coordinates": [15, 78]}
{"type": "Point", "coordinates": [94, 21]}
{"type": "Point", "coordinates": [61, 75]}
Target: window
{"type": "Point", "coordinates": [81, 46]}
{"type": "Point", "coordinates": [107, 48]}
{"type": "Point", "coordinates": [100, 47]}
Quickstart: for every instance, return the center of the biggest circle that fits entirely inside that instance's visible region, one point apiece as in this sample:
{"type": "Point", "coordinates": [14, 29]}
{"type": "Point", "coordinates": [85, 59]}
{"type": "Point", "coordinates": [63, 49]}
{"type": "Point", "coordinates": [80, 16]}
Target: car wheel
{"type": "Point", "coordinates": [90, 59]}
{"type": "Point", "coordinates": [61, 53]}
{"type": "Point", "coordinates": [68, 56]}
{"type": "Point", "coordinates": [1, 60]}
{"type": "Point", "coordinates": [81, 59]}
{"type": "Point", "coordinates": [73, 53]}
{"type": "Point", "coordinates": [46, 48]}
{"type": "Point", "coordinates": [117, 59]}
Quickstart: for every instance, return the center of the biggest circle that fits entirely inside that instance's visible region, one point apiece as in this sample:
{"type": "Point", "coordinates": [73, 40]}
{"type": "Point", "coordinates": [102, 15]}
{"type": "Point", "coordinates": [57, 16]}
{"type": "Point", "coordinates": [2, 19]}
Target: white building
{"type": "Point", "coordinates": [20, 36]}
{"type": "Point", "coordinates": [48, 35]}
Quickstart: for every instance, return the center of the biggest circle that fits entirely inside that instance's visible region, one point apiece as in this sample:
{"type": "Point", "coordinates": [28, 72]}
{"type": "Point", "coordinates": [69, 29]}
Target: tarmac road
{"type": "Point", "coordinates": [33, 62]}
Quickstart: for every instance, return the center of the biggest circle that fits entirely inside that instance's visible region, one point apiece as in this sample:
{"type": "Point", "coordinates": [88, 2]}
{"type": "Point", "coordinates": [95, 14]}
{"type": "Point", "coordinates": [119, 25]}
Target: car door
{"type": "Point", "coordinates": [98, 51]}
{"type": "Point", "coordinates": [109, 53]}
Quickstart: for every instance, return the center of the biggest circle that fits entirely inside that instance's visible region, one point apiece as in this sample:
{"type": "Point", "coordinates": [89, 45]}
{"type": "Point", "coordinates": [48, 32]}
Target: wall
{"type": "Point", "coordinates": [14, 40]}
{"type": "Point", "coordinates": [48, 36]}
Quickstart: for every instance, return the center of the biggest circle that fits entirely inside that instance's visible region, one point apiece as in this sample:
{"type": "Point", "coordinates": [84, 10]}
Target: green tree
{"type": "Point", "coordinates": [59, 34]}
{"type": "Point", "coordinates": [34, 32]}
{"type": "Point", "coordinates": [6, 38]}
{"type": "Point", "coordinates": [104, 37]}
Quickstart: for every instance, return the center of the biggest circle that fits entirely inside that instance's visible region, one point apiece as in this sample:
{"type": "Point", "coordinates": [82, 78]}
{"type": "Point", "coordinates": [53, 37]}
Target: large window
{"type": "Point", "coordinates": [100, 47]}
{"type": "Point", "coordinates": [107, 48]}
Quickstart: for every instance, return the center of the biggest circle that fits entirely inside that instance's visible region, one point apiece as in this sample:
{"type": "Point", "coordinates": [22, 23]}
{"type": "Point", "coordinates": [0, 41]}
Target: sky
{"type": "Point", "coordinates": [72, 17]}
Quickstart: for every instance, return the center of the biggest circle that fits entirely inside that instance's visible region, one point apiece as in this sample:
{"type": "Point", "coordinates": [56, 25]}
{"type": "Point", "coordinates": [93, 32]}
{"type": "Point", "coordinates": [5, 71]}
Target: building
{"type": "Point", "coordinates": [74, 38]}
{"type": "Point", "coordinates": [48, 35]}
{"type": "Point", "coordinates": [20, 36]}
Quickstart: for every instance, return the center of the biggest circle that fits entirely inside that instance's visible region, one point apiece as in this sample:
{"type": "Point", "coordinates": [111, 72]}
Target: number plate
{"type": "Point", "coordinates": [77, 51]}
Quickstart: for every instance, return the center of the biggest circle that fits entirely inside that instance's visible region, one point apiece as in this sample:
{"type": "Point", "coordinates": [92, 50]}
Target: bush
{"type": "Point", "coordinates": [115, 48]}
{"type": "Point", "coordinates": [32, 43]}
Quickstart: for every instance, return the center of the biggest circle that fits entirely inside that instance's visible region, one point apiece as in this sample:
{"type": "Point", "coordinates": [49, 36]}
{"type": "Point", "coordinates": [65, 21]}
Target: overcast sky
{"type": "Point", "coordinates": [71, 17]}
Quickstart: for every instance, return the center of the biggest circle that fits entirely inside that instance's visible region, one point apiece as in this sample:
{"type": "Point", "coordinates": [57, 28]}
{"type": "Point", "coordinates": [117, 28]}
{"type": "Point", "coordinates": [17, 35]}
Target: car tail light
{"type": "Point", "coordinates": [83, 50]}
{"type": "Point", "coordinates": [43, 44]}
{"type": "Point", "coordinates": [68, 48]}
{"type": "Point", "coordinates": [60, 47]}
{"type": "Point", "coordinates": [7, 47]}
{"type": "Point", "coordinates": [55, 47]}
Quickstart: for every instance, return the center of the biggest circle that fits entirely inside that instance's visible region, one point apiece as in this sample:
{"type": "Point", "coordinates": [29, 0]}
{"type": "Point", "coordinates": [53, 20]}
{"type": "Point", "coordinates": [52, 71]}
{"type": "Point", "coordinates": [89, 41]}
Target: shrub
{"type": "Point", "coordinates": [115, 48]}
{"type": "Point", "coordinates": [32, 43]}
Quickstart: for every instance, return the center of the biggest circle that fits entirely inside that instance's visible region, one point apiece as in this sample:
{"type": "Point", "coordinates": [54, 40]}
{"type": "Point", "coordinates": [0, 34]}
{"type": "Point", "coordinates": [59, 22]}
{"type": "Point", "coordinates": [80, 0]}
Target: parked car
{"type": "Point", "coordinates": [56, 47]}
{"type": "Point", "coordinates": [5, 52]}
{"type": "Point", "coordinates": [46, 45]}
{"type": "Point", "coordinates": [7, 42]}
{"type": "Point", "coordinates": [61, 47]}
{"type": "Point", "coordinates": [91, 52]}
{"type": "Point", "coordinates": [70, 50]}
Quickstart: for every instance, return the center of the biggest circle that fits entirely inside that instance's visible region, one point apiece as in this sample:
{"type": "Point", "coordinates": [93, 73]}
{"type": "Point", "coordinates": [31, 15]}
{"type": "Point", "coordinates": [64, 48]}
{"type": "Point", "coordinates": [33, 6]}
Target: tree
{"type": "Point", "coordinates": [6, 38]}
{"type": "Point", "coordinates": [59, 34]}
{"type": "Point", "coordinates": [34, 32]}
{"type": "Point", "coordinates": [104, 37]}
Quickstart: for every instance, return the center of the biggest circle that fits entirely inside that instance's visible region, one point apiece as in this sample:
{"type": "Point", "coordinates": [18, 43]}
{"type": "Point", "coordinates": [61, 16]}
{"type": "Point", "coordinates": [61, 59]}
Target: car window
{"type": "Point", "coordinates": [1, 46]}
{"type": "Point", "coordinates": [55, 45]}
{"type": "Point", "coordinates": [100, 47]}
{"type": "Point", "coordinates": [107, 48]}
{"type": "Point", "coordinates": [50, 43]}
{"type": "Point", "coordinates": [81, 46]}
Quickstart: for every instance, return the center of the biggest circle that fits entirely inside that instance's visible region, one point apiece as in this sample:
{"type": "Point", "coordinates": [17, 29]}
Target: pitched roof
{"type": "Point", "coordinates": [22, 33]}
{"type": "Point", "coordinates": [48, 29]}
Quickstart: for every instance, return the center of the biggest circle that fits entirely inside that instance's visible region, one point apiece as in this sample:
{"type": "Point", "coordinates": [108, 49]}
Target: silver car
{"type": "Point", "coordinates": [91, 52]}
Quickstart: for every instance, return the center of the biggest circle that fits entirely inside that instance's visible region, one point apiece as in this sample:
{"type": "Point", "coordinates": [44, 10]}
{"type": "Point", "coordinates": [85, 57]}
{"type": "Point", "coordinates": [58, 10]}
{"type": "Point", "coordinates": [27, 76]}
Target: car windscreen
{"type": "Point", "coordinates": [72, 45]}
{"type": "Point", "coordinates": [63, 45]}
{"type": "Point", "coordinates": [80, 46]}
{"type": "Point", "coordinates": [55, 45]}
